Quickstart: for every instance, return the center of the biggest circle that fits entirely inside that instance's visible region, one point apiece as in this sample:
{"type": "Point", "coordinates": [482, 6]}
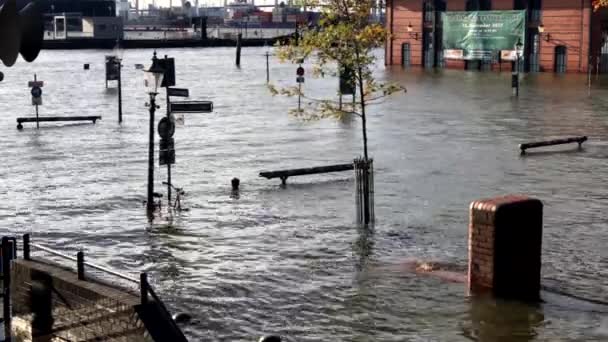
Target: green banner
{"type": "Point", "coordinates": [483, 34]}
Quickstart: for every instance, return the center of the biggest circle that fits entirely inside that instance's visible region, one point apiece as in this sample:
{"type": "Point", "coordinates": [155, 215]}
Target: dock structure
{"type": "Point", "coordinates": [92, 118]}
{"type": "Point", "coordinates": [284, 174]}
{"type": "Point", "coordinates": [579, 140]}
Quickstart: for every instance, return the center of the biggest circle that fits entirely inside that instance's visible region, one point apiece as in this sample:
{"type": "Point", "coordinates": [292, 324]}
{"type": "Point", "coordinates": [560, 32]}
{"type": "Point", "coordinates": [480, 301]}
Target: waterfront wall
{"type": "Point", "coordinates": [567, 23]}
{"type": "Point", "coordinates": [81, 310]}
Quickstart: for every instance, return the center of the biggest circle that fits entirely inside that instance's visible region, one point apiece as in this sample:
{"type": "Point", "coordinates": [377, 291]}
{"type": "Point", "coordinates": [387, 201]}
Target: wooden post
{"type": "Point", "coordinates": [26, 247]}
{"type": "Point", "coordinates": [80, 265]}
{"type": "Point", "coordinates": [505, 240]}
{"type": "Point", "coordinates": [238, 49]}
{"type": "Point", "coordinates": [143, 288]}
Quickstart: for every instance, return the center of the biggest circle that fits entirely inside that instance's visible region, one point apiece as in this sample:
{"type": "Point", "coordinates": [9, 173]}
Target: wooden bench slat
{"type": "Point", "coordinates": [284, 174]}
{"type": "Point", "coordinates": [579, 140]}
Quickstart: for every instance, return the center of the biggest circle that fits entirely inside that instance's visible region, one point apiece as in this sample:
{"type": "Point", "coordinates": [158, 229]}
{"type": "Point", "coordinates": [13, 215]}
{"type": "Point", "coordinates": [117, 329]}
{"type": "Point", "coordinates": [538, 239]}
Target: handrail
{"type": "Point", "coordinates": [106, 270]}
{"type": "Point", "coordinates": [79, 262]}
{"type": "Point", "coordinates": [48, 250]}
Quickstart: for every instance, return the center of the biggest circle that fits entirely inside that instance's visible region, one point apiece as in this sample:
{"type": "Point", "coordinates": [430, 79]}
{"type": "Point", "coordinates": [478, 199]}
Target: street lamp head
{"type": "Point", "coordinates": [153, 77]}
{"type": "Point", "coordinates": [541, 28]}
{"type": "Point", "coordinates": [410, 28]}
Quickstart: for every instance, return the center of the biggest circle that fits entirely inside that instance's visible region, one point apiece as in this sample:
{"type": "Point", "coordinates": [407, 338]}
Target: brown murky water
{"type": "Point", "coordinates": [291, 261]}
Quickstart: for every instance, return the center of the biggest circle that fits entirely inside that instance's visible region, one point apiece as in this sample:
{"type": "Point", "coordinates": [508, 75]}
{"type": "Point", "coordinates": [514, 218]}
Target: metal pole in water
{"type": "Point", "coordinates": [299, 96]}
{"type": "Point", "coordinates": [150, 203]}
{"type": "Point", "coordinates": [168, 163]}
{"type": "Point", "coordinates": [119, 90]}
{"type": "Point", "coordinates": [267, 68]}
{"type": "Point", "coordinates": [238, 49]}
{"type": "Point", "coordinates": [37, 122]}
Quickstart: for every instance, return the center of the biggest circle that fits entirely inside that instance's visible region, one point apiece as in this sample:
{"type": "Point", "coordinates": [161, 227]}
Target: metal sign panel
{"type": "Point", "coordinates": [481, 34]}
{"type": "Point", "coordinates": [180, 92]}
{"type": "Point", "coordinates": [166, 128]}
{"type": "Point", "coordinates": [38, 84]}
{"type": "Point", "coordinates": [36, 91]}
{"type": "Point", "coordinates": [36, 101]}
{"type": "Point", "coordinates": [112, 65]}
{"type": "Point", "coordinates": [300, 79]}
{"type": "Point", "coordinates": [169, 65]}
{"type": "Point", "coordinates": [192, 107]}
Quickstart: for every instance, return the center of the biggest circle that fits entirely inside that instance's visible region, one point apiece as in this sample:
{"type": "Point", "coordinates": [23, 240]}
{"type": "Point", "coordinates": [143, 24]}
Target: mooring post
{"type": "Point", "coordinates": [80, 265]}
{"type": "Point", "coordinates": [239, 37]}
{"type": "Point", "coordinates": [26, 247]}
{"type": "Point", "coordinates": [505, 240]}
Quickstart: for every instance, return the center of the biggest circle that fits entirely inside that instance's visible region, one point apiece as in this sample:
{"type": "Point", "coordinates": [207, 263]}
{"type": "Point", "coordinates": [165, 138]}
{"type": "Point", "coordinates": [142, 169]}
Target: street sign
{"type": "Point", "coordinates": [166, 128]}
{"type": "Point", "coordinates": [112, 68]}
{"type": "Point", "coordinates": [181, 92]}
{"type": "Point", "coordinates": [168, 64]}
{"type": "Point", "coordinates": [38, 84]}
{"type": "Point", "coordinates": [166, 152]}
{"type": "Point", "coordinates": [300, 71]}
{"type": "Point", "coordinates": [1, 76]}
{"type": "Point", "coordinates": [192, 107]}
{"type": "Point", "coordinates": [36, 101]}
{"type": "Point", "coordinates": [300, 79]}
{"type": "Point", "coordinates": [36, 91]}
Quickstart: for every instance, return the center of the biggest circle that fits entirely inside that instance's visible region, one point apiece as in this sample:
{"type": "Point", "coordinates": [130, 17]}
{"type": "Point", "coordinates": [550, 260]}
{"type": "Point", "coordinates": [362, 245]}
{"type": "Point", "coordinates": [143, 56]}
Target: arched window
{"type": "Point", "coordinates": [479, 5]}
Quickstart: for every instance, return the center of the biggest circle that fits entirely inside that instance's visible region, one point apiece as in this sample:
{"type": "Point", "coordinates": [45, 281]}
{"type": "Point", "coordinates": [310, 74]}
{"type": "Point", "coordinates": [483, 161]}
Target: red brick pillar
{"type": "Point", "coordinates": [505, 240]}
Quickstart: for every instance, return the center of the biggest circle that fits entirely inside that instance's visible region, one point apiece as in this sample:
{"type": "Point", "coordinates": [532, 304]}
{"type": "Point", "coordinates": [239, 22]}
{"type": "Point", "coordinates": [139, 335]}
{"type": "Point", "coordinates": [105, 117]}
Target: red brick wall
{"type": "Point", "coordinates": [406, 12]}
{"type": "Point", "coordinates": [505, 244]}
{"type": "Point", "coordinates": [567, 22]}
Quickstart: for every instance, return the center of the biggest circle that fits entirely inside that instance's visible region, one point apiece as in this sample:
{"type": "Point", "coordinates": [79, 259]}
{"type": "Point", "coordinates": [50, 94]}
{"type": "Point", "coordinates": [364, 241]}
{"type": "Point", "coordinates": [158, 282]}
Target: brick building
{"type": "Point", "coordinates": [561, 35]}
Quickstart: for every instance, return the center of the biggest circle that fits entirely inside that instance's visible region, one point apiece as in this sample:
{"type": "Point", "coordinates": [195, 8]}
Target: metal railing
{"type": "Point", "coordinates": [144, 286]}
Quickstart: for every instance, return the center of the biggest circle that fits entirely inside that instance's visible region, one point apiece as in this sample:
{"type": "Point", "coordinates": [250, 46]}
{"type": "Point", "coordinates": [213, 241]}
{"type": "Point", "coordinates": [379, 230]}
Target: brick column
{"type": "Point", "coordinates": [505, 240]}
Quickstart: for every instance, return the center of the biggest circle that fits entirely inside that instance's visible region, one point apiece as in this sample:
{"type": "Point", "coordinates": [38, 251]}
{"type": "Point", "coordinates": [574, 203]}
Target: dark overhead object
{"type": "Point", "coordinates": [20, 32]}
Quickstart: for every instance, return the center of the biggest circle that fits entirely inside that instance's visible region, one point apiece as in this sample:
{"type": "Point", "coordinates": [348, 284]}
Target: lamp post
{"type": "Point", "coordinates": [153, 78]}
{"type": "Point", "coordinates": [515, 76]}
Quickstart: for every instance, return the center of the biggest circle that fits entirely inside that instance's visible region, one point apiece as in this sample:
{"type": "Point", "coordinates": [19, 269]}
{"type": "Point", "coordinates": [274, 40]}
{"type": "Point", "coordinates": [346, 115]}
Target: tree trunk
{"type": "Point", "coordinates": [363, 118]}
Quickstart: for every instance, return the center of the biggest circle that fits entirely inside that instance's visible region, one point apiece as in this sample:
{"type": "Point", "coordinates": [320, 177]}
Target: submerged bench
{"type": "Point", "coordinates": [57, 118]}
{"type": "Point", "coordinates": [284, 174]}
{"type": "Point", "coordinates": [579, 140]}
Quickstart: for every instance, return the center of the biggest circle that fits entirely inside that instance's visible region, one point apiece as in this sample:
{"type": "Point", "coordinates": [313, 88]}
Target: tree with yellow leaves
{"type": "Point", "coordinates": [343, 41]}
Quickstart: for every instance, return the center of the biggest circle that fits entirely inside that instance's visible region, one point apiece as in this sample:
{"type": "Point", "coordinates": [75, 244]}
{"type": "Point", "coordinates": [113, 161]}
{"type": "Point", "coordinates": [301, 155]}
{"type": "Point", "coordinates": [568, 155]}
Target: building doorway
{"type": "Point", "coordinates": [432, 35]}
{"type": "Point", "coordinates": [406, 55]}
{"type": "Point", "coordinates": [561, 59]}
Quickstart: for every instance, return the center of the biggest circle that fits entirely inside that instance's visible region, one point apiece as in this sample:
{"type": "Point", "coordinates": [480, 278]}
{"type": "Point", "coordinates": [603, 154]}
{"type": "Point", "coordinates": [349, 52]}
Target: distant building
{"type": "Point", "coordinates": [560, 35]}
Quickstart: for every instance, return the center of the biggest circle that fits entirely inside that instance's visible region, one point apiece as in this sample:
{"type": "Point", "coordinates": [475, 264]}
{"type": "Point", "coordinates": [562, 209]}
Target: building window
{"type": "Point", "coordinates": [479, 5]}
{"type": "Point", "coordinates": [561, 59]}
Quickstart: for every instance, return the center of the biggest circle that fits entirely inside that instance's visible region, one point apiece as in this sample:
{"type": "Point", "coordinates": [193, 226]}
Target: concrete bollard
{"type": "Point", "coordinates": [505, 240]}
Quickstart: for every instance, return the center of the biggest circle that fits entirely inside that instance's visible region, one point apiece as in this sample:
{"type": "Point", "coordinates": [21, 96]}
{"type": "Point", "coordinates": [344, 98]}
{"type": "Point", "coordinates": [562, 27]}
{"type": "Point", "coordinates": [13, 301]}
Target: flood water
{"type": "Point", "coordinates": [292, 261]}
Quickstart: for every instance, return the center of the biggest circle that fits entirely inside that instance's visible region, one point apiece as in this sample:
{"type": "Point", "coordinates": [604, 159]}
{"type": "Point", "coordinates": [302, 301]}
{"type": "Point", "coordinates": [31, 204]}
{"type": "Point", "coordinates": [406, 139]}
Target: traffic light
{"type": "Point", "coordinates": [21, 31]}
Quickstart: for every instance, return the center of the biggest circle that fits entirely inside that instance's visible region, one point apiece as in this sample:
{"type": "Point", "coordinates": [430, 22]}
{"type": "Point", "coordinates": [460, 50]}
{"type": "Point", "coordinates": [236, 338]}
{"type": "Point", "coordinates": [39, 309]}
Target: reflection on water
{"type": "Point", "coordinates": [291, 260]}
{"type": "Point", "coordinates": [497, 320]}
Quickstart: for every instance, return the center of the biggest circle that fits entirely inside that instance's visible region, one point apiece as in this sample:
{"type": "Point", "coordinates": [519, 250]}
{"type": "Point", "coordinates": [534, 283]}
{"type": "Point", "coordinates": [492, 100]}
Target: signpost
{"type": "Point", "coordinates": [300, 80]}
{"type": "Point", "coordinates": [36, 95]}
{"type": "Point", "coordinates": [477, 35]}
